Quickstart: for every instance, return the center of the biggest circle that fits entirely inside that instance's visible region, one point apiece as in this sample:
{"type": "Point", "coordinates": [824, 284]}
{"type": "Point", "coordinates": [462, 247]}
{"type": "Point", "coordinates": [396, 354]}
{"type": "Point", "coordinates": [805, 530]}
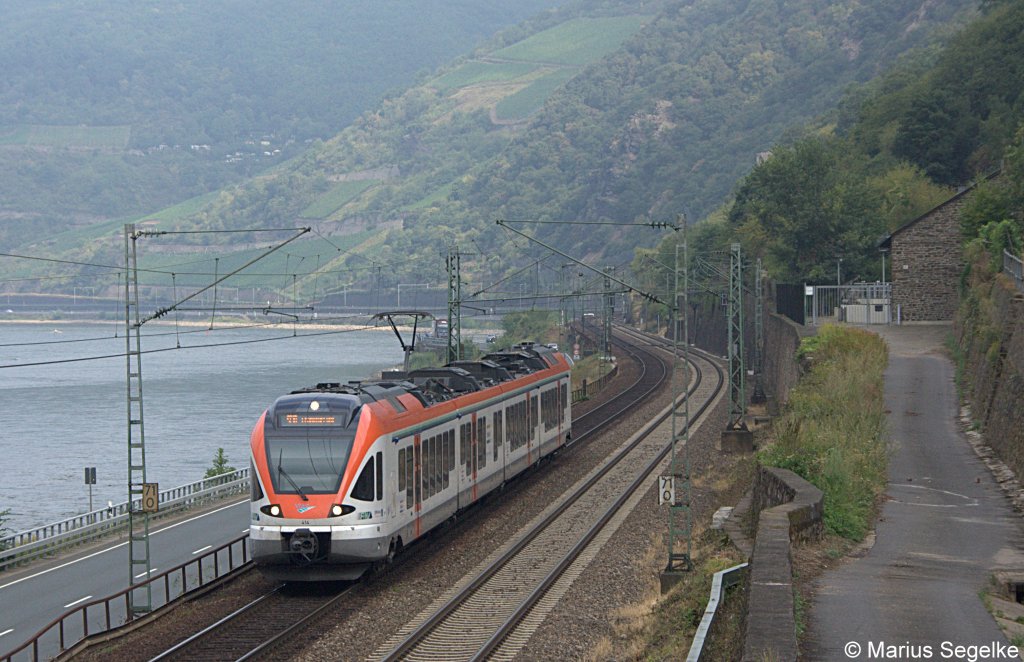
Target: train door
{"type": "Point", "coordinates": [531, 426]}
{"type": "Point", "coordinates": [417, 483]}
{"type": "Point", "coordinates": [467, 489]}
{"type": "Point", "coordinates": [499, 442]}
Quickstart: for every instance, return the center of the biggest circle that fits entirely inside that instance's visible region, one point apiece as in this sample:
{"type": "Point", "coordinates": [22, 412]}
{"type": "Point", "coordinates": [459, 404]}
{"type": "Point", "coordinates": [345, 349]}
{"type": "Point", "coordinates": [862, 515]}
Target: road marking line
{"type": "Point", "coordinates": [143, 574]}
{"type": "Point", "coordinates": [72, 604]}
{"type": "Point", "coordinates": [112, 548]}
{"type": "Point", "coordinates": [8, 631]}
{"type": "Point", "coordinates": [246, 530]}
{"type": "Point", "coordinates": [202, 549]}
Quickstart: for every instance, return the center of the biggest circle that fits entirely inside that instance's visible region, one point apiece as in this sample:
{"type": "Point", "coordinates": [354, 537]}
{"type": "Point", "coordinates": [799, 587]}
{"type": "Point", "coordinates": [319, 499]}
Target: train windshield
{"type": "Point", "coordinates": [309, 459]}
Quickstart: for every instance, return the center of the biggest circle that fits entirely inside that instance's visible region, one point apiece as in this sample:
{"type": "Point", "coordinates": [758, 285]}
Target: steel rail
{"type": "Point", "coordinates": [528, 603]}
{"type": "Point", "coordinates": [411, 640]}
{"type": "Point", "coordinates": [210, 642]}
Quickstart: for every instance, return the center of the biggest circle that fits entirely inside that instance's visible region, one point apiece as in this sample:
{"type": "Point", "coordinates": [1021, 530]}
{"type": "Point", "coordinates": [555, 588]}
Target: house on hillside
{"type": "Point", "coordinates": [927, 260]}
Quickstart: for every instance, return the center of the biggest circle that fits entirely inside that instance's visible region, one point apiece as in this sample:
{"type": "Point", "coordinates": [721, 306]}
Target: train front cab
{"type": "Point", "coordinates": [301, 529]}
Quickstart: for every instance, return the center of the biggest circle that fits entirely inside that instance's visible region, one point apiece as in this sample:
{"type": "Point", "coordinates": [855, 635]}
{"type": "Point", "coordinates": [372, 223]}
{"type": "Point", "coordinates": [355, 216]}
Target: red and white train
{"type": "Point", "coordinates": [345, 475]}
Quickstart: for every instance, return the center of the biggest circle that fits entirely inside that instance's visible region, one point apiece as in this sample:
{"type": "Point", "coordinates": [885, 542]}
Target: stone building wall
{"type": "Point", "coordinates": [926, 264]}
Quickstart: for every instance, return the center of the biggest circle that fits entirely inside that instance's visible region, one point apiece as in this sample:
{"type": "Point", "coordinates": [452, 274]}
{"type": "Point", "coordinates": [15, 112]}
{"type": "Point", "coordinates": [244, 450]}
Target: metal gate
{"type": "Point", "coordinates": [860, 303]}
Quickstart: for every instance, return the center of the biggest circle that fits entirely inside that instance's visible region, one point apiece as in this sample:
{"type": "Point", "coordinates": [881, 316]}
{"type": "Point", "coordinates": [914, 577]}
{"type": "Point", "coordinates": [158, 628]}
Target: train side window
{"type": "Point", "coordinates": [401, 471]}
{"type": "Point", "coordinates": [380, 476]}
{"type": "Point", "coordinates": [464, 445]}
{"type": "Point", "coordinates": [428, 466]}
{"type": "Point", "coordinates": [438, 463]}
{"type": "Point", "coordinates": [363, 490]}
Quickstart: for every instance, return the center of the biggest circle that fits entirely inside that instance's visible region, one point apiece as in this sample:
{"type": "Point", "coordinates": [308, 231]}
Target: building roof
{"type": "Point", "coordinates": [886, 241]}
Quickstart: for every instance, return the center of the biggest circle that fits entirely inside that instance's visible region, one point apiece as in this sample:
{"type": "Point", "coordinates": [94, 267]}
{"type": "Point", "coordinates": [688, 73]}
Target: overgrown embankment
{"type": "Point", "coordinates": [832, 431]}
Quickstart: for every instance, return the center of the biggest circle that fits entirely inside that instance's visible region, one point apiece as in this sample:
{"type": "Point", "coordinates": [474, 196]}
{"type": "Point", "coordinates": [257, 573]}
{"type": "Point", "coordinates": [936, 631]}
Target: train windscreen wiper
{"type": "Point", "coordinates": [282, 472]}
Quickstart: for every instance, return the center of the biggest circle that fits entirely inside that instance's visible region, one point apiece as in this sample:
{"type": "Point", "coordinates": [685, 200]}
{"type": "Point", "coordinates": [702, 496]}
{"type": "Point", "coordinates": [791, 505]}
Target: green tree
{"type": "Point", "coordinates": [220, 465]}
{"type": "Point", "coordinates": [806, 207]}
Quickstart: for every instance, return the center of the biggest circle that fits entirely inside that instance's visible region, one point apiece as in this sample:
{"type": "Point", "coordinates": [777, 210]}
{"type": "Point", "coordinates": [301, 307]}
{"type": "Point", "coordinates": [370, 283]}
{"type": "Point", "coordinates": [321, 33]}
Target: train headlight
{"type": "Point", "coordinates": [273, 510]}
{"type": "Point", "coordinates": [337, 510]}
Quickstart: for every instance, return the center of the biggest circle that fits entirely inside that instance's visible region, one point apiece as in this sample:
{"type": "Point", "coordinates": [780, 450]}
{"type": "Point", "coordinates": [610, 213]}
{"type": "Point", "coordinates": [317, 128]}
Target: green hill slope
{"type": "Point", "coordinates": [666, 122]}
{"type": "Point", "coordinates": [118, 108]}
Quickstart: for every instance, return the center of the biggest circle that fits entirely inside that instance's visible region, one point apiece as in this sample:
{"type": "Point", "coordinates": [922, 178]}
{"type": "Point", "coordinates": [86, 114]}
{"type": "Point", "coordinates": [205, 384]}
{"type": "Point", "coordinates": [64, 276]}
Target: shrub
{"type": "Point", "coordinates": [832, 433]}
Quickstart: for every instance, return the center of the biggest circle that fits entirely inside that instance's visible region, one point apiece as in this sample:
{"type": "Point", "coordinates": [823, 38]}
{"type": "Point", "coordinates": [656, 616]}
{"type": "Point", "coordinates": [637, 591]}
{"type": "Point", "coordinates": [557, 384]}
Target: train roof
{"type": "Point", "coordinates": [433, 385]}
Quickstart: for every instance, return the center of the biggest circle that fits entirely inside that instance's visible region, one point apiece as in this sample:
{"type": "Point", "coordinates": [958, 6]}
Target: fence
{"type": "Point", "coordinates": [860, 303]}
{"type": "Point", "coordinates": [111, 612]}
{"type": "Point", "coordinates": [1013, 268]}
{"type": "Point", "coordinates": [789, 301]}
{"type": "Point", "coordinates": [28, 545]}
{"type": "Point", "coordinates": [586, 390]}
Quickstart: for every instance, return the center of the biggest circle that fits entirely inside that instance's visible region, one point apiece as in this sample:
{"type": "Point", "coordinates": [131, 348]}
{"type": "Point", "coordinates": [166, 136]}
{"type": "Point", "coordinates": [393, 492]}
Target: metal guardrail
{"type": "Point", "coordinates": [28, 545]}
{"type": "Point", "coordinates": [722, 580]}
{"type": "Point", "coordinates": [99, 616]}
{"type": "Point", "coordinates": [1014, 268]}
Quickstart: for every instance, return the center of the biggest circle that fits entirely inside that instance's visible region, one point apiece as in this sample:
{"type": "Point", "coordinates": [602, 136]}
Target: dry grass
{"type": "Point", "coordinates": [661, 627]}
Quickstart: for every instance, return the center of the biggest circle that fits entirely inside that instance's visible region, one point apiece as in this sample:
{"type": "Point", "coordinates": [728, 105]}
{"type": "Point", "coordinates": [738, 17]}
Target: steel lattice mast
{"type": "Point", "coordinates": [680, 545]}
{"type": "Point", "coordinates": [453, 264]}
{"type": "Point", "coordinates": [737, 381]}
{"type": "Point", "coordinates": [140, 599]}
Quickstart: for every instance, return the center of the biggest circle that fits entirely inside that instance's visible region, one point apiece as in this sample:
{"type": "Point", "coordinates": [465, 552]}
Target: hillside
{"type": "Point", "coordinates": [121, 108]}
{"type": "Point", "coordinates": [592, 113]}
{"type": "Point", "coordinates": [893, 149]}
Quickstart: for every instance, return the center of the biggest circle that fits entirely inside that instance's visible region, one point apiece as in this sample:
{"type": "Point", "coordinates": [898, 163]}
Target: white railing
{"type": "Point", "coordinates": [1013, 267]}
{"type": "Point", "coordinates": [721, 581]}
{"type": "Point", "coordinates": [33, 543]}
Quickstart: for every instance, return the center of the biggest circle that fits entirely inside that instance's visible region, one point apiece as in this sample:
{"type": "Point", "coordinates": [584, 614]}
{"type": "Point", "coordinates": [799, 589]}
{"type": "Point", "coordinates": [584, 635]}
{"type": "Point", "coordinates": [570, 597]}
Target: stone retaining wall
{"type": "Point", "coordinates": [993, 345]}
{"type": "Point", "coordinates": [781, 371]}
{"type": "Point", "coordinates": [791, 509]}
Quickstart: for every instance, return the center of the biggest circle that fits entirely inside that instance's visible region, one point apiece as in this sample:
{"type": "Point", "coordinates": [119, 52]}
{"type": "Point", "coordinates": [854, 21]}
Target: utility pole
{"type": "Point", "coordinates": [140, 600]}
{"type": "Point", "coordinates": [609, 311]}
{"type": "Point", "coordinates": [675, 488]}
{"type": "Point", "coordinates": [737, 374]}
{"type": "Point", "coordinates": [453, 264]}
{"type": "Point", "coordinates": [736, 437]}
{"type": "Point", "coordinates": [758, 395]}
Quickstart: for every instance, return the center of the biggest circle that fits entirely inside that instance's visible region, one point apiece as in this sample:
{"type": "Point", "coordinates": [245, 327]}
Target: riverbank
{"type": "Point", "coordinates": [221, 324]}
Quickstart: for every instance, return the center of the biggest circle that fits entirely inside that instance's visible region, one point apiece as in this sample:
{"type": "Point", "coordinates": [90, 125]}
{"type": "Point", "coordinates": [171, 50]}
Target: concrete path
{"type": "Point", "coordinates": [944, 528]}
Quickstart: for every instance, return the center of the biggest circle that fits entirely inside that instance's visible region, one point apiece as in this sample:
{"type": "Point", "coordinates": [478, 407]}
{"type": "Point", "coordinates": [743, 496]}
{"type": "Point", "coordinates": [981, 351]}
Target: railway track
{"type": "Point", "coordinates": [261, 626]}
{"type": "Point", "coordinates": [493, 614]}
{"type": "Point", "coordinates": [269, 622]}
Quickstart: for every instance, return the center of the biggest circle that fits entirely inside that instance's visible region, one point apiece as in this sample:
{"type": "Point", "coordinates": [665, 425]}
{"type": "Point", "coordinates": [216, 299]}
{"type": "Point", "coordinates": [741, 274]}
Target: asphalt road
{"type": "Point", "coordinates": [944, 527]}
{"type": "Point", "coordinates": [31, 598]}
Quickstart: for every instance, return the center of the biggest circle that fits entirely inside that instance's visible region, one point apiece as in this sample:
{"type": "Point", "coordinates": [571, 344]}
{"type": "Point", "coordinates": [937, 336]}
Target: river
{"type": "Point", "coordinates": [59, 418]}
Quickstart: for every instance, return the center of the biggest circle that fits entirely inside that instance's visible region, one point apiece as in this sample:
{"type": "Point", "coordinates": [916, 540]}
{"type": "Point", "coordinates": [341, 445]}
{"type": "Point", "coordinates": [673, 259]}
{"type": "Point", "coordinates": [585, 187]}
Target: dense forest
{"type": "Point", "coordinates": [892, 150]}
{"type": "Point", "coordinates": [122, 108]}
